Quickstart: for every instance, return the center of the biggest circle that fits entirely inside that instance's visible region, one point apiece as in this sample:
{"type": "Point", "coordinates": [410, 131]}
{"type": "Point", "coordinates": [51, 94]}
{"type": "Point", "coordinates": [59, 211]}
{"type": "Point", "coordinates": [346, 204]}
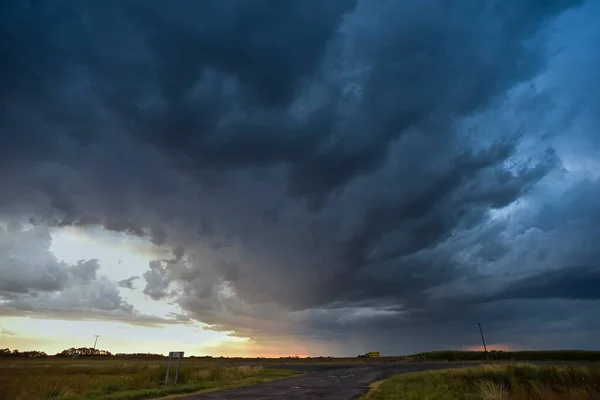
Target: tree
{"type": "Point", "coordinates": [83, 351]}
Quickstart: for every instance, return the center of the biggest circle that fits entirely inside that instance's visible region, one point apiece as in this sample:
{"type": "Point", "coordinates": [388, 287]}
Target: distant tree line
{"type": "Point", "coordinates": [81, 352]}
{"type": "Point", "coordinates": [16, 353]}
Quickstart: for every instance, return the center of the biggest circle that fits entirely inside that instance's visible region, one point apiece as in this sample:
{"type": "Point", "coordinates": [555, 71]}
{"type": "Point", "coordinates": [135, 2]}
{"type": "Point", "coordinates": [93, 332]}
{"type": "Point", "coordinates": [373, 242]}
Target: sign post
{"type": "Point", "coordinates": [177, 369]}
{"type": "Point", "coordinates": [173, 354]}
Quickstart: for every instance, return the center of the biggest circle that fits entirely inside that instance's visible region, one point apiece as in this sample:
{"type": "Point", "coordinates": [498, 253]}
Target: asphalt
{"type": "Point", "coordinates": [332, 382]}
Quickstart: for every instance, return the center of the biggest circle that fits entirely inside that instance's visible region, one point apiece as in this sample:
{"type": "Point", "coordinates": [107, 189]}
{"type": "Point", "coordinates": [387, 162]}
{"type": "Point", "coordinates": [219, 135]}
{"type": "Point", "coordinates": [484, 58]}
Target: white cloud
{"type": "Point", "coordinates": [34, 282]}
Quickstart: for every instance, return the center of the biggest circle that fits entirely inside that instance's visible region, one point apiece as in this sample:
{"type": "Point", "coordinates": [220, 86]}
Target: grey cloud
{"type": "Point", "coordinates": [178, 253]}
{"type": "Point", "coordinates": [128, 283]}
{"type": "Point", "coordinates": [157, 280]}
{"type": "Point", "coordinates": [26, 262]}
{"type": "Point", "coordinates": [85, 270]}
{"type": "Point", "coordinates": [83, 314]}
{"type": "Point", "coordinates": [100, 294]}
{"type": "Point", "coordinates": [332, 169]}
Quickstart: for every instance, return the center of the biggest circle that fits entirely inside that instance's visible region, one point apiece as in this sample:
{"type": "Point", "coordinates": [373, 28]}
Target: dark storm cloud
{"type": "Point", "coordinates": [316, 168]}
{"type": "Point", "coordinates": [577, 283]}
{"type": "Point", "coordinates": [210, 84]}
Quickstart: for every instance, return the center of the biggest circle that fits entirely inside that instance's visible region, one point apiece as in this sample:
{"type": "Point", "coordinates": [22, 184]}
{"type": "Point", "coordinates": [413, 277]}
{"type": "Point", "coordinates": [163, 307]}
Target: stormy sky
{"type": "Point", "coordinates": [350, 174]}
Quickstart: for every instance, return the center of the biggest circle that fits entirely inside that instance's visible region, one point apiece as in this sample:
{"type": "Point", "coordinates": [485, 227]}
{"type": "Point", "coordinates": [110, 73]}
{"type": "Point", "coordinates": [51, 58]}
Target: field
{"type": "Point", "coordinates": [118, 379]}
{"type": "Point", "coordinates": [493, 382]}
{"type": "Point", "coordinates": [139, 377]}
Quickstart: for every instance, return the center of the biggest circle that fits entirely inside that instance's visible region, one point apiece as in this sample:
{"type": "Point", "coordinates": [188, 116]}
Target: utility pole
{"type": "Point", "coordinates": [482, 338]}
{"type": "Point", "coordinates": [96, 341]}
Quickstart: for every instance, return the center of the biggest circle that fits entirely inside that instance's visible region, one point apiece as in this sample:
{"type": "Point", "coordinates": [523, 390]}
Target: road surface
{"type": "Point", "coordinates": [331, 382]}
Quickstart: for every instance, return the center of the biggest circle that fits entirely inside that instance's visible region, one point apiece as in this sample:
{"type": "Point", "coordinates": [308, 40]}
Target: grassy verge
{"type": "Point", "coordinates": [493, 382]}
{"type": "Point", "coordinates": [122, 380]}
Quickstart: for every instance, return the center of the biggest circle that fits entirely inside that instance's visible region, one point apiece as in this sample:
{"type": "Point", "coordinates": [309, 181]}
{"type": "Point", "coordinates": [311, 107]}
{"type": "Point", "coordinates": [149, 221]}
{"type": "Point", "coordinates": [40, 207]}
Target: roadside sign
{"type": "Point", "coordinates": [373, 354]}
{"type": "Point", "coordinates": [179, 356]}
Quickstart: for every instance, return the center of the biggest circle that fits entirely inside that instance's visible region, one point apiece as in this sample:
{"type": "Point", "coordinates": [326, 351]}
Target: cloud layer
{"type": "Point", "coordinates": [352, 173]}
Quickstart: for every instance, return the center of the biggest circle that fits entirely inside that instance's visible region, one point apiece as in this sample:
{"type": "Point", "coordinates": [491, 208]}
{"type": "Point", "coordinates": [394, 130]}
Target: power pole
{"type": "Point", "coordinates": [482, 338]}
{"type": "Point", "coordinates": [96, 341]}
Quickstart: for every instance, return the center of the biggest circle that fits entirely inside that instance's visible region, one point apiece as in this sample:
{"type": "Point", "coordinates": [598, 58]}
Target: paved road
{"type": "Point", "coordinates": [331, 382]}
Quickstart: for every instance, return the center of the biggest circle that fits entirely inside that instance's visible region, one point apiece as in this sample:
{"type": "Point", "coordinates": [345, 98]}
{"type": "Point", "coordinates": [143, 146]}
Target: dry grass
{"type": "Point", "coordinates": [490, 390]}
{"type": "Point", "coordinates": [114, 379]}
{"type": "Point", "coordinates": [494, 382]}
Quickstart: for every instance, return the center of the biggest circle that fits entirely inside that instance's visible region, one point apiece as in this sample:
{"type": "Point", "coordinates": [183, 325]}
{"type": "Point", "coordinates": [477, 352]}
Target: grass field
{"type": "Point", "coordinates": [67, 379]}
{"type": "Point", "coordinates": [493, 382]}
{"type": "Point", "coordinates": [122, 378]}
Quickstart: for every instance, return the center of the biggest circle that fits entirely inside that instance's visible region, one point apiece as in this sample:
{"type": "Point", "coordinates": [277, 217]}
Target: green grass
{"type": "Point", "coordinates": [121, 380]}
{"type": "Point", "coordinates": [543, 355]}
{"type": "Point", "coordinates": [493, 382]}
